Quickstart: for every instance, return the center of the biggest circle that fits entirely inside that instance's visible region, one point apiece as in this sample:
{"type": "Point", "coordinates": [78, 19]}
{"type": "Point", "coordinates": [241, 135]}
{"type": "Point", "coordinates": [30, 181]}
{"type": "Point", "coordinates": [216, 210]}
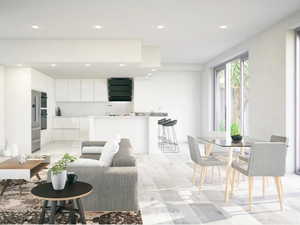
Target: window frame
{"type": "Point", "coordinates": [224, 66]}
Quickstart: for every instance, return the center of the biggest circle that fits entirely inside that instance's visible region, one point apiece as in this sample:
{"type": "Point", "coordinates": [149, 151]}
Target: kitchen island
{"type": "Point", "coordinates": [141, 130]}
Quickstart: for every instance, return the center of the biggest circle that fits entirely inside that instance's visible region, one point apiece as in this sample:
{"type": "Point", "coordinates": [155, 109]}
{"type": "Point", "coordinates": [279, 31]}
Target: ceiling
{"type": "Point", "coordinates": [191, 33]}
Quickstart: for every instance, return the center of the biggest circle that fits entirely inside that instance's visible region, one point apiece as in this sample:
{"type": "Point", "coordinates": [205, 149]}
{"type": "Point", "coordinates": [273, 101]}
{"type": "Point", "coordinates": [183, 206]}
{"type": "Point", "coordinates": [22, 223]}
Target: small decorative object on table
{"type": "Point", "coordinates": [59, 172]}
{"type": "Point", "coordinates": [72, 178]}
{"type": "Point", "coordinates": [235, 133]}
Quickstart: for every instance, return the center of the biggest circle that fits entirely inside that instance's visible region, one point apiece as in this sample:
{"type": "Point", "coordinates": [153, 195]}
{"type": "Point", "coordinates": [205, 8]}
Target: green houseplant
{"type": "Point", "coordinates": [235, 132]}
{"type": "Point", "coordinates": [59, 172]}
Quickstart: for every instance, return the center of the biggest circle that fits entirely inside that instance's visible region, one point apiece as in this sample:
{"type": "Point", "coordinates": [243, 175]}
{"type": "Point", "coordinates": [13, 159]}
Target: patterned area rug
{"type": "Point", "coordinates": [20, 209]}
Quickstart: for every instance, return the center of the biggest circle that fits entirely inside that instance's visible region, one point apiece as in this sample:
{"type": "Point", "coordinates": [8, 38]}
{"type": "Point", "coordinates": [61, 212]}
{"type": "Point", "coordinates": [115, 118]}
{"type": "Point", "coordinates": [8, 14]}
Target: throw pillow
{"type": "Point", "coordinates": [109, 150]}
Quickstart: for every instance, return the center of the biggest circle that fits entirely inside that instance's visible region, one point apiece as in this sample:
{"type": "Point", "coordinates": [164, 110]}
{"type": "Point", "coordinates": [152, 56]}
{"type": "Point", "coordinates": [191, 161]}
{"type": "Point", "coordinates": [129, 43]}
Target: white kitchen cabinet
{"type": "Point", "coordinates": [84, 128]}
{"type": "Point", "coordinates": [61, 90]}
{"type": "Point", "coordinates": [100, 90]}
{"type": "Point", "coordinates": [66, 123]}
{"type": "Point", "coordinates": [74, 90]}
{"type": "Point", "coordinates": [87, 90]}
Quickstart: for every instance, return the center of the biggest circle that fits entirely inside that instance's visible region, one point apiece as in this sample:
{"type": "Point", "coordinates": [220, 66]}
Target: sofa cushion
{"type": "Point", "coordinates": [124, 157]}
{"type": "Point", "coordinates": [109, 151]}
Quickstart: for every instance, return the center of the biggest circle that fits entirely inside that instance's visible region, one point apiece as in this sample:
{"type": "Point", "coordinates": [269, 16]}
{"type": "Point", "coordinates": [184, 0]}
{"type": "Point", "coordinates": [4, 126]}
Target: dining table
{"type": "Point", "coordinates": [230, 147]}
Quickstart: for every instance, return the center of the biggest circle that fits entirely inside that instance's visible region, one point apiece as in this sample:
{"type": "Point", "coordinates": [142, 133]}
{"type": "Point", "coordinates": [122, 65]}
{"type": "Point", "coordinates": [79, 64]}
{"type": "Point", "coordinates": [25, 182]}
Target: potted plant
{"type": "Point", "coordinates": [235, 133]}
{"type": "Point", "coordinates": [59, 172]}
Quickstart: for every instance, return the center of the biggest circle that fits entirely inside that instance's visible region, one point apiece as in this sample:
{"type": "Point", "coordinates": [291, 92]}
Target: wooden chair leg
{"type": "Point", "coordinates": [194, 173]}
{"type": "Point", "coordinates": [202, 177]}
{"type": "Point", "coordinates": [227, 183]}
{"type": "Point", "coordinates": [264, 180]}
{"type": "Point", "coordinates": [250, 187]}
{"type": "Point", "coordinates": [232, 181]}
{"type": "Point", "coordinates": [279, 191]}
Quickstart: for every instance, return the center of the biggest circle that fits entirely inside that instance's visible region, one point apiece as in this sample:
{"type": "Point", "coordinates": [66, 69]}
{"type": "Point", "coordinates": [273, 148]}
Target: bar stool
{"type": "Point", "coordinates": [162, 137]}
{"type": "Point", "coordinates": [169, 142]}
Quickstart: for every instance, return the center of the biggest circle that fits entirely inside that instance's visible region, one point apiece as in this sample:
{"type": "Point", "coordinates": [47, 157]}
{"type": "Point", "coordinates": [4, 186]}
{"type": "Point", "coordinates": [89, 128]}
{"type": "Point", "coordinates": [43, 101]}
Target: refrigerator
{"type": "Point", "coordinates": [35, 121]}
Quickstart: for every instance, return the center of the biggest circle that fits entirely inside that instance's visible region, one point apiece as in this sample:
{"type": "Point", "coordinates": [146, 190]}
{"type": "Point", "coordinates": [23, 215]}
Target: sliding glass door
{"type": "Point", "coordinates": [231, 83]}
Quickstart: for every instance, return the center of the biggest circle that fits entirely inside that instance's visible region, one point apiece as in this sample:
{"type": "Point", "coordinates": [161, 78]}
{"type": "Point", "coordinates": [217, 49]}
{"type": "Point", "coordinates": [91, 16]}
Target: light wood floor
{"type": "Point", "coordinates": [167, 195]}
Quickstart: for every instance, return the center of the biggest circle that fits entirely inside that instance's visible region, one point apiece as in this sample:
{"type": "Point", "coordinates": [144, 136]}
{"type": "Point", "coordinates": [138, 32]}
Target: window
{"type": "Point", "coordinates": [231, 84]}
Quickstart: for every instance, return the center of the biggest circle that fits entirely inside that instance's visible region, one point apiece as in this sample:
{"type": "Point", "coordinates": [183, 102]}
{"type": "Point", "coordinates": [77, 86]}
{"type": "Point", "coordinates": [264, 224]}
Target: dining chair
{"type": "Point", "coordinates": [266, 160]}
{"type": "Point", "coordinates": [273, 138]}
{"type": "Point", "coordinates": [200, 159]}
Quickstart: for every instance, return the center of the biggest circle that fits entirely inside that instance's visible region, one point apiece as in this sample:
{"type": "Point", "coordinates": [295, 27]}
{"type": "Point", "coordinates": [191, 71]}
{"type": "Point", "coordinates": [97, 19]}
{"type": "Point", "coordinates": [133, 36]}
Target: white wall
{"type": "Point", "coordinates": [18, 108]}
{"type": "Point", "coordinates": [43, 83]}
{"type": "Point", "coordinates": [2, 133]}
{"type": "Point", "coordinates": [177, 93]}
{"type": "Point", "coordinates": [271, 106]}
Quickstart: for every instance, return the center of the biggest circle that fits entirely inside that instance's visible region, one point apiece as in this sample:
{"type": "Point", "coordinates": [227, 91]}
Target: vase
{"type": "Point", "coordinates": [59, 180]}
{"type": "Point", "coordinates": [236, 138]}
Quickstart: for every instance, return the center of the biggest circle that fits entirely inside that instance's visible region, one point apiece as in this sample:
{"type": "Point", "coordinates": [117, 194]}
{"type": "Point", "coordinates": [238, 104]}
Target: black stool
{"type": "Point", "coordinates": [169, 143]}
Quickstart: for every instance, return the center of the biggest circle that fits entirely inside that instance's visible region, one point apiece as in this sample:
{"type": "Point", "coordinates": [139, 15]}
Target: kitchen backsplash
{"type": "Point", "coordinates": [94, 109]}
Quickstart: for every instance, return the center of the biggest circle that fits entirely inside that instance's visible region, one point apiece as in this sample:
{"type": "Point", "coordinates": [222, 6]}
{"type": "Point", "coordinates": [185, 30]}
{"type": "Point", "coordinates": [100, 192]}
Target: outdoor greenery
{"type": "Point", "coordinates": [235, 129]}
{"type": "Point", "coordinates": [61, 165]}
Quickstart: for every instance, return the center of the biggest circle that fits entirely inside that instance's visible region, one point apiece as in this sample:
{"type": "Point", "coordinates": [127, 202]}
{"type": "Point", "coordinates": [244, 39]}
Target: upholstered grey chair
{"type": "Point", "coordinates": [273, 138]}
{"type": "Point", "coordinates": [266, 159]}
{"type": "Point", "coordinates": [200, 159]}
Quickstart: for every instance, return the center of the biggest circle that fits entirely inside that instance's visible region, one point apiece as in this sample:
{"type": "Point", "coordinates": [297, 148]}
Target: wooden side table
{"type": "Point", "coordinates": [57, 199]}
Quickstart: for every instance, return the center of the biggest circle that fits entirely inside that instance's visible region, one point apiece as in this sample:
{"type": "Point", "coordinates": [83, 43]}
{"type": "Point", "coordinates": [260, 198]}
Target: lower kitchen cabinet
{"type": "Point", "coordinates": [70, 129]}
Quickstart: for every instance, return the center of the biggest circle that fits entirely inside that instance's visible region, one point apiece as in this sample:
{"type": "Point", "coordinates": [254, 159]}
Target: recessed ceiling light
{"type": "Point", "coordinates": [53, 65]}
{"type": "Point", "coordinates": [19, 64]}
{"type": "Point", "coordinates": [35, 27]}
{"type": "Point", "coordinates": [87, 64]}
{"type": "Point", "coordinates": [223, 27]}
{"type": "Point", "coordinates": [98, 27]}
{"type": "Point", "coordinates": [121, 64]}
{"type": "Point", "coordinates": [153, 70]}
{"type": "Point", "coordinates": [160, 27]}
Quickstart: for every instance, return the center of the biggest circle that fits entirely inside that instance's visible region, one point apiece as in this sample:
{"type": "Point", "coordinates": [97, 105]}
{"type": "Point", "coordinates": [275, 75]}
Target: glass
{"type": "Point", "coordinates": [220, 101]}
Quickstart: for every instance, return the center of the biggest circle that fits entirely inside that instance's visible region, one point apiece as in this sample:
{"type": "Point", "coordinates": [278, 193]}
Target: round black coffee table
{"type": "Point", "coordinates": [62, 200]}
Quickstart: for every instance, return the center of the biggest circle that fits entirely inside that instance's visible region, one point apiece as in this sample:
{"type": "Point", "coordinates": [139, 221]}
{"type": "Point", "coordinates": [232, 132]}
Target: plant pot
{"type": "Point", "coordinates": [236, 138]}
{"type": "Point", "coordinates": [59, 180]}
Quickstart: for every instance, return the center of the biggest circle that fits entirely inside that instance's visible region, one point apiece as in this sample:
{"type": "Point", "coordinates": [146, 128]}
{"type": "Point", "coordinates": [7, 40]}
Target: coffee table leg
{"type": "Point", "coordinates": [72, 213]}
{"type": "Point", "coordinates": [42, 217]}
{"type": "Point", "coordinates": [81, 211]}
{"type": "Point", "coordinates": [7, 182]}
{"type": "Point", "coordinates": [53, 212]}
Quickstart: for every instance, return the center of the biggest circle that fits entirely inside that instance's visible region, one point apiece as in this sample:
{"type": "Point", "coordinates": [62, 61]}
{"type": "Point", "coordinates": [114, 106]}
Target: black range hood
{"type": "Point", "coordinates": [120, 89]}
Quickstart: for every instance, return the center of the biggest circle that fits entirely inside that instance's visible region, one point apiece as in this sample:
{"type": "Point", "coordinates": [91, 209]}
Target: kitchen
{"type": "Point", "coordinates": [86, 106]}
{"type": "Point", "coordinates": [77, 82]}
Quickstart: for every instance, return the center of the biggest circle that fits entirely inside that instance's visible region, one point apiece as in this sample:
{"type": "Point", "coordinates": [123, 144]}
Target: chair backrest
{"type": "Point", "coordinates": [191, 148]}
{"type": "Point", "coordinates": [275, 138]}
{"type": "Point", "coordinates": [195, 151]}
{"type": "Point", "coordinates": [267, 159]}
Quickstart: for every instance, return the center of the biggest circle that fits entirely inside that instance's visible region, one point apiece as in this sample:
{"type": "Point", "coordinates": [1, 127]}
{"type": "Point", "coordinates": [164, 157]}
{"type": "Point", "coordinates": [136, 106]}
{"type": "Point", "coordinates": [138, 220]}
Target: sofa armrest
{"type": "Point", "coordinates": [114, 188]}
{"type": "Point", "coordinates": [124, 161]}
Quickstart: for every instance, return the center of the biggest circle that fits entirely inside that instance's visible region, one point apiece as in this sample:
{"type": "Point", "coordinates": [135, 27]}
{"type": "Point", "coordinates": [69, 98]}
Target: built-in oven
{"type": "Point", "coordinates": [43, 100]}
{"type": "Point", "coordinates": [44, 113]}
{"type": "Point", "coordinates": [44, 116]}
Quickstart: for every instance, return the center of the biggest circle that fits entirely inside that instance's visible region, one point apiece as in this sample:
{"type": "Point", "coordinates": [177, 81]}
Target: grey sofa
{"type": "Point", "coordinates": [115, 187]}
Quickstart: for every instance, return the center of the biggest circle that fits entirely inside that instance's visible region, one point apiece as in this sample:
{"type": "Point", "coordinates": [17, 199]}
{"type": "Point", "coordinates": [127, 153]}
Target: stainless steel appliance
{"type": "Point", "coordinates": [35, 120]}
{"type": "Point", "coordinates": [44, 113]}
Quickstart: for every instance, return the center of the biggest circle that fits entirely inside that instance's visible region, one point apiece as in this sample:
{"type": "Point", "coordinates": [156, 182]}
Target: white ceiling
{"type": "Point", "coordinates": [192, 33]}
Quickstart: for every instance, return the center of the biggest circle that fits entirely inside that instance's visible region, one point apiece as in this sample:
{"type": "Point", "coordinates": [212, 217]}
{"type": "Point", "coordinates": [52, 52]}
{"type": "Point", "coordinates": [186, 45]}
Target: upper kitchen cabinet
{"type": "Point", "coordinates": [100, 90]}
{"type": "Point", "coordinates": [81, 90]}
{"type": "Point", "coordinates": [87, 90]}
{"type": "Point", "coordinates": [62, 90]}
{"type": "Point", "coordinates": [74, 87]}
